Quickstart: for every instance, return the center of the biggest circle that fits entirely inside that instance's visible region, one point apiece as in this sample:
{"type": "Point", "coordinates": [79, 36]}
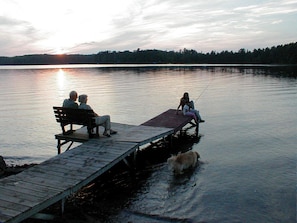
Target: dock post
{"type": "Point", "coordinates": [197, 129]}
{"type": "Point", "coordinates": [170, 141]}
{"type": "Point", "coordinates": [134, 155]}
{"type": "Point", "coordinates": [62, 206]}
{"type": "Point", "coordinates": [127, 163]}
{"type": "Point", "coordinates": [59, 146]}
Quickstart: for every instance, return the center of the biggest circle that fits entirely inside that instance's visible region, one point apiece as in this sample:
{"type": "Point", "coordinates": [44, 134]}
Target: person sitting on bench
{"type": "Point", "coordinates": [103, 120]}
{"type": "Point", "coordinates": [70, 102]}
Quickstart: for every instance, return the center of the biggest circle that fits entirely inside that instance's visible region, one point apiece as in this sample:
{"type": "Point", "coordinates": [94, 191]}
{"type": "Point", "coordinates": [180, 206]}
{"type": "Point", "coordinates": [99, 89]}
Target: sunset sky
{"type": "Point", "coordinates": [90, 26]}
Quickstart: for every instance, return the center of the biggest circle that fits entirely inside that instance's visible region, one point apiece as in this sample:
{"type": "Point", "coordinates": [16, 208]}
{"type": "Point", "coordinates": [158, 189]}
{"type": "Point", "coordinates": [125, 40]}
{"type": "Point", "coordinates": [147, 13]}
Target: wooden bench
{"type": "Point", "coordinates": [72, 116]}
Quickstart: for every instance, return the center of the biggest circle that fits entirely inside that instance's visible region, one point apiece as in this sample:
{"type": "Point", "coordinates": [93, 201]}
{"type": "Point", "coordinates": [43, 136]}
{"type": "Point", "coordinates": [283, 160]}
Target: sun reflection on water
{"type": "Point", "coordinates": [60, 78]}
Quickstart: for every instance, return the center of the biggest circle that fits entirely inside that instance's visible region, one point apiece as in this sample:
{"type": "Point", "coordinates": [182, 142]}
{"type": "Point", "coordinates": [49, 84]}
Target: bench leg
{"type": "Point", "coordinates": [91, 130]}
{"type": "Point", "coordinates": [59, 146]}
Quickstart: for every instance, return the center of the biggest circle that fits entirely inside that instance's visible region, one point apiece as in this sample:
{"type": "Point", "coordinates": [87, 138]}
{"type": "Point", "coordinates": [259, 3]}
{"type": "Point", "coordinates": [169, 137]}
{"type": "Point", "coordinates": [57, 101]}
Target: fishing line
{"type": "Point", "coordinates": [203, 90]}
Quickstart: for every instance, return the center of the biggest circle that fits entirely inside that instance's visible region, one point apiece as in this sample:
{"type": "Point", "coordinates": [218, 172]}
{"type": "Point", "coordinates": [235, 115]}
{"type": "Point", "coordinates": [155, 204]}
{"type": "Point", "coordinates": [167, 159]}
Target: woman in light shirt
{"type": "Point", "coordinates": [103, 120]}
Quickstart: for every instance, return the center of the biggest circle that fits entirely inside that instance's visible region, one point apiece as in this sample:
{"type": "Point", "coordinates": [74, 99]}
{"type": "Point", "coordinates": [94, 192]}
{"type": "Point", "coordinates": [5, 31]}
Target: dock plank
{"type": "Point", "coordinates": [19, 181]}
{"type": "Point", "coordinates": [12, 206]}
{"type": "Point", "coordinates": [8, 213]}
{"type": "Point", "coordinates": [19, 198]}
{"type": "Point", "coordinates": [4, 217]}
{"type": "Point", "coordinates": [22, 184]}
{"type": "Point", "coordinates": [28, 191]}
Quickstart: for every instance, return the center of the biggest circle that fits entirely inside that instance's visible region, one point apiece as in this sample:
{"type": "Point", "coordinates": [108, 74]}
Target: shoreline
{"type": "Point", "coordinates": [8, 170]}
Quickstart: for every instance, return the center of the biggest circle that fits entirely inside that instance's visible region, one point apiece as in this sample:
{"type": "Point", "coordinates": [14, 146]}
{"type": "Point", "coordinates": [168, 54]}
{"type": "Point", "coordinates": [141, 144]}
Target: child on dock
{"type": "Point", "coordinates": [188, 108]}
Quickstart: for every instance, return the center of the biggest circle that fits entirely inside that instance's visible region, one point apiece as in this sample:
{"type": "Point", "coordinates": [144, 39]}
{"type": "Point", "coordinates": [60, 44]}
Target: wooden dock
{"type": "Point", "coordinates": [169, 119]}
{"type": "Point", "coordinates": [24, 195]}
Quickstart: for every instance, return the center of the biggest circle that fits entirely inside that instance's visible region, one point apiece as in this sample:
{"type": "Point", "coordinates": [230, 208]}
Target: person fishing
{"type": "Point", "coordinates": [188, 108]}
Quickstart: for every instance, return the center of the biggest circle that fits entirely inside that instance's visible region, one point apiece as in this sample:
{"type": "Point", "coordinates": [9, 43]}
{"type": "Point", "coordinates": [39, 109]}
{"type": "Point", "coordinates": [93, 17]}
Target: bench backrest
{"type": "Point", "coordinates": [67, 116]}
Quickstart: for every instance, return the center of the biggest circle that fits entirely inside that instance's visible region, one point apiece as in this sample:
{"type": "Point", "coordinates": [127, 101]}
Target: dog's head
{"type": "Point", "coordinates": [170, 161]}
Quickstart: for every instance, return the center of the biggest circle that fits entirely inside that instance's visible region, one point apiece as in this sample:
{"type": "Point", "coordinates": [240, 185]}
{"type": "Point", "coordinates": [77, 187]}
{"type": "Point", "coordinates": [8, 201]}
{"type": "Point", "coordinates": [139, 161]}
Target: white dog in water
{"type": "Point", "coordinates": [183, 161]}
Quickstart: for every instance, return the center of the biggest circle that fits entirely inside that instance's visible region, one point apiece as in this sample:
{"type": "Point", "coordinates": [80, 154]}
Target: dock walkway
{"type": "Point", "coordinates": [29, 192]}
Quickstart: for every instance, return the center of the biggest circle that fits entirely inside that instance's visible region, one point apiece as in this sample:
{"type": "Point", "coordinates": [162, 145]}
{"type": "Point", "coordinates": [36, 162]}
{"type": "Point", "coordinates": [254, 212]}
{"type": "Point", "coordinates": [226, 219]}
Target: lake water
{"type": "Point", "coordinates": [248, 142]}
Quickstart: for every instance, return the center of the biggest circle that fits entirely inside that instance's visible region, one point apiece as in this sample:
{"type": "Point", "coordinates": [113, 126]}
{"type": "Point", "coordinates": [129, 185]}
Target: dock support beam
{"type": "Point", "coordinates": [60, 144]}
{"type": "Point", "coordinates": [127, 163]}
{"type": "Point", "coordinates": [134, 160]}
{"type": "Point", "coordinates": [62, 206]}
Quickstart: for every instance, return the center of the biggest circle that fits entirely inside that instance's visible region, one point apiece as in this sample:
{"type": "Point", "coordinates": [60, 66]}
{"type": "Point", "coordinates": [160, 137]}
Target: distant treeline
{"type": "Point", "coordinates": [282, 54]}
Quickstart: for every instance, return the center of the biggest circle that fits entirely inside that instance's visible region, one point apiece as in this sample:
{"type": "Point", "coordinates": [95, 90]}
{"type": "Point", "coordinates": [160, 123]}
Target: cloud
{"type": "Point", "coordinates": [16, 35]}
{"type": "Point", "coordinates": [77, 27]}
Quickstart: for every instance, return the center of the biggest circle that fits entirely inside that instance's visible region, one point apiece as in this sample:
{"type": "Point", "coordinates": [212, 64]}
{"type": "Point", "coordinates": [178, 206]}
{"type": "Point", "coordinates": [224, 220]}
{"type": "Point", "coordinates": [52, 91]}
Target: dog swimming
{"type": "Point", "coordinates": [183, 161]}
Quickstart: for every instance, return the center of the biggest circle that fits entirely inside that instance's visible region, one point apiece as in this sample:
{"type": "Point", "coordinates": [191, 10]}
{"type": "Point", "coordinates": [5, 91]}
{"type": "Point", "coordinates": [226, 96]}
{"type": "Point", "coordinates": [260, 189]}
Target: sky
{"type": "Point", "coordinates": [91, 26]}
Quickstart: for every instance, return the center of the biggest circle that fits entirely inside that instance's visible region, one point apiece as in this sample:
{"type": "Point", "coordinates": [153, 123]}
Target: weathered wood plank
{"type": "Point", "coordinates": [17, 180]}
{"type": "Point", "coordinates": [71, 172]}
{"type": "Point", "coordinates": [5, 217]}
{"type": "Point", "coordinates": [8, 213]}
{"type": "Point", "coordinates": [45, 181]}
{"type": "Point", "coordinates": [28, 191]}
{"type": "Point", "coordinates": [22, 184]}
{"type": "Point", "coordinates": [19, 197]}
{"type": "Point", "coordinates": [31, 192]}
{"type": "Point", "coordinates": [12, 206]}
{"type": "Point", "coordinates": [73, 163]}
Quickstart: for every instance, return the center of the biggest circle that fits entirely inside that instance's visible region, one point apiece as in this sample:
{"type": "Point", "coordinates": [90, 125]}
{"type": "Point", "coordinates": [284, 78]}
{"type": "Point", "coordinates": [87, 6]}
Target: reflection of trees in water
{"type": "Point", "coordinates": [256, 69]}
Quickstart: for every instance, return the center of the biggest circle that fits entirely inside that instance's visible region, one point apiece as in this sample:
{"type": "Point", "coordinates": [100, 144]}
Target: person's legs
{"type": "Point", "coordinates": [193, 115]}
{"type": "Point", "coordinates": [104, 120]}
{"type": "Point", "coordinates": [197, 115]}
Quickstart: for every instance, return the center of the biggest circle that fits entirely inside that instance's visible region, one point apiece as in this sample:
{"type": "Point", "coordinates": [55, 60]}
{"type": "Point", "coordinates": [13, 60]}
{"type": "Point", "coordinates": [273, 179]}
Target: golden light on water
{"type": "Point", "coordinates": [60, 78]}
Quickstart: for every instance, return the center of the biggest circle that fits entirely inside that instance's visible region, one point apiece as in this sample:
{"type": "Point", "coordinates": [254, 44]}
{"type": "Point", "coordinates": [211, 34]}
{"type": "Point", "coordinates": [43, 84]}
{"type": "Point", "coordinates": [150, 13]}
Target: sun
{"type": "Point", "coordinates": [60, 51]}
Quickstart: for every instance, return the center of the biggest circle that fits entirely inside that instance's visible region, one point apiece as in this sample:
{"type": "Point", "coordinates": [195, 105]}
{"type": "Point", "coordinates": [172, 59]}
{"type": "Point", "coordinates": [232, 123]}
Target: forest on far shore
{"type": "Point", "coordinates": [282, 54]}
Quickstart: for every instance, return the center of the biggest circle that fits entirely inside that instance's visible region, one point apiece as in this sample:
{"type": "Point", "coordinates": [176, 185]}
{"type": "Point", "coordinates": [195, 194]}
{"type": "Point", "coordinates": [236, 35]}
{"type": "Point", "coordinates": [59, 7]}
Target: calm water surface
{"type": "Point", "coordinates": [248, 142]}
